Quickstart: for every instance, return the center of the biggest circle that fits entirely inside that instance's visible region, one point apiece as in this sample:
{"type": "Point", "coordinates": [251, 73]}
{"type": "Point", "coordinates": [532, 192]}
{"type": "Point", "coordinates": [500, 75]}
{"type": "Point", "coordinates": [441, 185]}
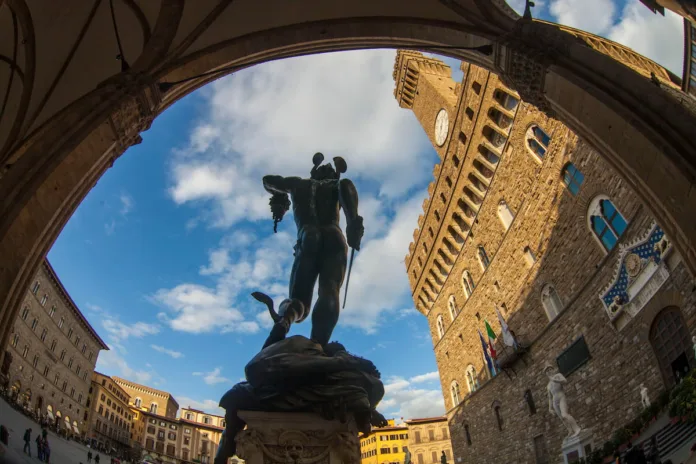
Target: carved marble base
{"type": "Point", "coordinates": [296, 438]}
{"type": "Point", "coordinates": [577, 447]}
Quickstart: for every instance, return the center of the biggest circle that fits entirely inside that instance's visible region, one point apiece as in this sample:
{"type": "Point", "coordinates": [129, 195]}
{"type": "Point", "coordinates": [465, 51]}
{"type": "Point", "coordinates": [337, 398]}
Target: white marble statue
{"type": "Point", "coordinates": [557, 400]}
{"type": "Point", "coordinates": [644, 396]}
{"type": "Point", "coordinates": [693, 339]}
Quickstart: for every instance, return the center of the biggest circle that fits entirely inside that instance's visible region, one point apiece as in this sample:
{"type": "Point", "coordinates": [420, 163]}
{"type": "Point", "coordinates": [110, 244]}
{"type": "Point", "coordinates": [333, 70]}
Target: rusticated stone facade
{"type": "Point", "coordinates": [54, 350]}
{"type": "Point", "coordinates": [526, 217]}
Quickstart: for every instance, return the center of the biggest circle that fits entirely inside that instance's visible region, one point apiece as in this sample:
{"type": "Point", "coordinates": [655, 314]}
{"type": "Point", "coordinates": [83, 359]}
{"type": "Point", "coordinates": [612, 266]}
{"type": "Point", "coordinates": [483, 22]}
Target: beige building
{"type": "Point", "coordinates": [54, 350]}
{"type": "Point", "coordinates": [428, 438]}
{"type": "Point", "coordinates": [201, 435]}
{"type": "Point", "coordinates": [526, 217]}
{"type": "Point", "coordinates": [162, 437]}
{"type": "Point", "coordinates": [110, 418]}
{"type": "Point", "coordinates": [145, 398]}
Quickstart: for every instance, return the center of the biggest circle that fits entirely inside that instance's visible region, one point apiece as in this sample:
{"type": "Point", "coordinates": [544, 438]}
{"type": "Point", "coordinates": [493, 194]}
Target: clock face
{"type": "Point", "coordinates": [441, 127]}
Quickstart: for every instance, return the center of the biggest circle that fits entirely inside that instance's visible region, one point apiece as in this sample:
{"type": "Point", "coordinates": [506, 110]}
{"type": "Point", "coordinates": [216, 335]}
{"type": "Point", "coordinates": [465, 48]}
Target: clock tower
{"type": "Point", "coordinates": [425, 86]}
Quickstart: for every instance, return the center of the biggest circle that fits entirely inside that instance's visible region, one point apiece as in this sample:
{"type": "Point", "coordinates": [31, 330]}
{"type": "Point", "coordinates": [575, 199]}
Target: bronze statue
{"type": "Point", "coordinates": [321, 250]}
{"type": "Point", "coordinates": [298, 374]}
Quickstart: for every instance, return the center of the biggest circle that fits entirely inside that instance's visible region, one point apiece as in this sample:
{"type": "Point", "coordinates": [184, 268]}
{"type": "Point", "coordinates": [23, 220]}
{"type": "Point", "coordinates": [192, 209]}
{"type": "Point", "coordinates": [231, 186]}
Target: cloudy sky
{"type": "Point", "coordinates": [164, 252]}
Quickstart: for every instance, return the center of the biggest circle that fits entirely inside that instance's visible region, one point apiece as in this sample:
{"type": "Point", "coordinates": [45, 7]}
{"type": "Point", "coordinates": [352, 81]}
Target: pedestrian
{"type": "Point", "coordinates": [47, 451]}
{"type": "Point", "coordinates": [44, 433]}
{"type": "Point", "coordinates": [39, 447]}
{"type": "Point", "coordinates": [89, 457]}
{"type": "Point", "coordinates": [27, 441]}
{"type": "Point", "coordinates": [96, 459]}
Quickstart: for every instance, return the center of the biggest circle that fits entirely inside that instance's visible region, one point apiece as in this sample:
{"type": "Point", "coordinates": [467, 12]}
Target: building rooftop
{"type": "Point", "coordinates": [201, 424]}
{"type": "Point", "coordinates": [424, 420]}
{"type": "Point", "coordinates": [145, 387]}
{"type": "Point", "coordinates": [68, 299]}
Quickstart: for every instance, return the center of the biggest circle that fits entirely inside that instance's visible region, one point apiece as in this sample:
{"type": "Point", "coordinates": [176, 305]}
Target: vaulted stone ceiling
{"type": "Point", "coordinates": [53, 52]}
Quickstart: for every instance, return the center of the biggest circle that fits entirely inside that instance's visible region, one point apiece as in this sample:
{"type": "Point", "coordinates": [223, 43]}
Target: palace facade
{"type": "Point", "coordinates": [51, 355]}
{"type": "Point", "coordinates": [527, 226]}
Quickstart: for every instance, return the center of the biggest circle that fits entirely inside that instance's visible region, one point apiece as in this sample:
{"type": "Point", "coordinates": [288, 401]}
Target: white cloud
{"type": "Point", "coordinates": [401, 399]}
{"type": "Point", "coordinates": [118, 331]}
{"type": "Point", "coordinates": [172, 353]}
{"type": "Point", "coordinates": [660, 38]}
{"type": "Point", "coordinates": [126, 204]}
{"type": "Point", "coordinates": [213, 377]}
{"type": "Point", "coordinates": [426, 377]}
{"type": "Point", "coordinates": [272, 118]}
{"type": "Point", "coordinates": [379, 283]}
{"type": "Point", "coordinates": [209, 406]}
{"type": "Point", "coordinates": [110, 363]}
{"type": "Point", "coordinates": [594, 16]}
{"type": "Point", "coordinates": [197, 309]}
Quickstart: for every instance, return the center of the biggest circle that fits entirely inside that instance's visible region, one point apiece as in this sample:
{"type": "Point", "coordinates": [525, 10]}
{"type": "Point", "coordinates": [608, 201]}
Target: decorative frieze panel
{"type": "Point", "coordinates": [296, 438]}
{"type": "Point", "coordinates": [640, 272]}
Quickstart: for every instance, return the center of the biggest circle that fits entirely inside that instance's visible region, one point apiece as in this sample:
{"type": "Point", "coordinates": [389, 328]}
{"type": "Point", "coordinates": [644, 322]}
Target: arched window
{"type": "Point", "coordinates": [551, 302]}
{"type": "Point", "coordinates": [153, 408]}
{"type": "Point", "coordinates": [483, 257]}
{"type": "Point", "coordinates": [537, 141]}
{"type": "Point", "coordinates": [504, 214]}
{"type": "Point", "coordinates": [452, 303]}
{"type": "Point", "coordinates": [467, 283]}
{"type": "Point", "coordinates": [456, 396]}
{"type": "Point", "coordinates": [572, 178]}
{"type": "Point", "coordinates": [606, 222]}
{"type": "Point", "coordinates": [138, 403]}
{"type": "Point", "coordinates": [440, 326]}
{"type": "Point", "coordinates": [471, 378]}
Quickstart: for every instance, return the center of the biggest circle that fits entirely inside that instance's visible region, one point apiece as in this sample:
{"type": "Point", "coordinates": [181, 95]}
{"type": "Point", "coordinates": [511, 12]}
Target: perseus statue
{"type": "Point", "coordinates": [321, 251]}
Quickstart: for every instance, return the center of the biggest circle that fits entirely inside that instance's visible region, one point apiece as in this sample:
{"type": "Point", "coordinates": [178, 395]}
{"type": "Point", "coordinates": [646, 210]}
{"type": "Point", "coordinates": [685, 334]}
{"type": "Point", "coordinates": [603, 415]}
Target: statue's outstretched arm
{"type": "Point", "coordinates": [279, 184]}
{"type": "Point", "coordinates": [548, 390]}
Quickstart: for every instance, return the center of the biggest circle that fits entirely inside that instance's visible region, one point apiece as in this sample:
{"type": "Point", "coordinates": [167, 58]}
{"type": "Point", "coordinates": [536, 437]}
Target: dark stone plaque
{"type": "Point", "coordinates": [573, 357]}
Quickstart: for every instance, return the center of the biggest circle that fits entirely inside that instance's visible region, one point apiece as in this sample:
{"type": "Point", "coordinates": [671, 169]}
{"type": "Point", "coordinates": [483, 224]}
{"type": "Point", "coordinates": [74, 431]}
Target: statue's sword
{"type": "Point", "coordinates": [350, 267]}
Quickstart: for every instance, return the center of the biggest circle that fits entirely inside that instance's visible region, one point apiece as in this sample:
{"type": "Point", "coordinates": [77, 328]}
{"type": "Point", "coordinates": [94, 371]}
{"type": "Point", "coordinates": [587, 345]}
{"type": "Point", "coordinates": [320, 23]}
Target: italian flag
{"type": "Point", "coordinates": [491, 339]}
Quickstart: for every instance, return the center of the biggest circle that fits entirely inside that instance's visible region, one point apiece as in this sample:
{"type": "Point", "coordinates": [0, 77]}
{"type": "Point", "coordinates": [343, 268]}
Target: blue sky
{"type": "Point", "coordinates": [163, 253]}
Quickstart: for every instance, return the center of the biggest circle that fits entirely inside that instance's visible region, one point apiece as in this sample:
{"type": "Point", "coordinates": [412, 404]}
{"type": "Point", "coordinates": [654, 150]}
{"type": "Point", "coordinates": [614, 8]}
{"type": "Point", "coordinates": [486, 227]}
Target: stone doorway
{"type": "Point", "coordinates": [669, 338]}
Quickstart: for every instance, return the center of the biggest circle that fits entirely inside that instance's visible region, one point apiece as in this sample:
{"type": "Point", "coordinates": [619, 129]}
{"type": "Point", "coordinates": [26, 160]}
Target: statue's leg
{"type": "Point", "coordinates": [569, 420]}
{"type": "Point", "coordinates": [305, 269]}
{"type": "Point", "coordinates": [331, 274]}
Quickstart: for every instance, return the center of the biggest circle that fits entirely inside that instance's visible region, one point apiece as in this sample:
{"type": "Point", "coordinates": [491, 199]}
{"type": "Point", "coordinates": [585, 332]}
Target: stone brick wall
{"type": "Point", "coordinates": [548, 242]}
{"type": "Point", "coordinates": [50, 329]}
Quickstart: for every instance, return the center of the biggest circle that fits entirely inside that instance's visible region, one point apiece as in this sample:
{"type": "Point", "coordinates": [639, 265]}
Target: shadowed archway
{"type": "Point", "coordinates": [77, 92]}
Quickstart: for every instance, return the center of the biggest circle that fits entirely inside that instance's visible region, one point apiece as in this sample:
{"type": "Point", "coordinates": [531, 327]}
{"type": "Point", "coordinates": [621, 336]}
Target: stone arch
{"type": "Point", "coordinates": [52, 157]}
{"type": "Point", "coordinates": [672, 345]}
